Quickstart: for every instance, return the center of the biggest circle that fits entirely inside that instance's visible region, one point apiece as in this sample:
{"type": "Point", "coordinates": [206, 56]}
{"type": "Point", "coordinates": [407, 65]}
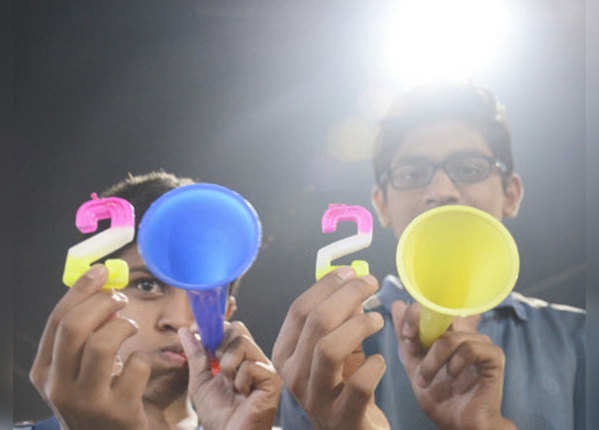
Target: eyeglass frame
{"type": "Point", "coordinates": [494, 163]}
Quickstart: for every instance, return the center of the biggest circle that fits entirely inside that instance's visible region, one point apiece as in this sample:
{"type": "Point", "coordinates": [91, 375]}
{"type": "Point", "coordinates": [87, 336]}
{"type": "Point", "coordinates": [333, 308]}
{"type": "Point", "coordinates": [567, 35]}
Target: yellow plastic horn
{"type": "Point", "coordinates": [455, 261]}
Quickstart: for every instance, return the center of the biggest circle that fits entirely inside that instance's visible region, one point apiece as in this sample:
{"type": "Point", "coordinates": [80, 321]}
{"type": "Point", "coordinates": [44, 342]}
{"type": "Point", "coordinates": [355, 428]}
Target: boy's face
{"type": "Point", "coordinates": [159, 310]}
{"type": "Point", "coordinates": [436, 143]}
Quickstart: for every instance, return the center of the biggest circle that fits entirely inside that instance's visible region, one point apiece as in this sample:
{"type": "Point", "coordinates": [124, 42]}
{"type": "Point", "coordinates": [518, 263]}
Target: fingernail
{"type": "Point", "coordinates": [117, 367]}
{"type": "Point", "coordinates": [133, 322]}
{"type": "Point", "coordinates": [184, 337]}
{"type": "Point", "coordinates": [370, 279]}
{"type": "Point", "coordinates": [376, 318]}
{"type": "Point", "coordinates": [120, 297]}
{"type": "Point", "coordinates": [96, 271]}
{"type": "Point", "coordinates": [345, 273]}
{"type": "Point", "coordinates": [406, 330]}
{"type": "Point", "coordinates": [420, 381]}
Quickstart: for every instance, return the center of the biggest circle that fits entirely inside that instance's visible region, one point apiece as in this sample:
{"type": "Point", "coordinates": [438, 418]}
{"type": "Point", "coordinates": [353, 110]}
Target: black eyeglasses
{"type": "Point", "coordinates": [462, 168]}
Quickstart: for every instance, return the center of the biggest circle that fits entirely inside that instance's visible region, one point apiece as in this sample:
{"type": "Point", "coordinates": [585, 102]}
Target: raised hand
{"type": "Point", "coordinates": [245, 394]}
{"type": "Point", "coordinates": [318, 353]}
{"type": "Point", "coordinates": [458, 382]}
{"type": "Point", "coordinates": [73, 368]}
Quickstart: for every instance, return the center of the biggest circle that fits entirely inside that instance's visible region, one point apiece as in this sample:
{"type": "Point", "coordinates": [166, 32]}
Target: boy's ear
{"type": "Point", "coordinates": [377, 197]}
{"type": "Point", "coordinates": [231, 307]}
{"type": "Point", "coordinates": [514, 192]}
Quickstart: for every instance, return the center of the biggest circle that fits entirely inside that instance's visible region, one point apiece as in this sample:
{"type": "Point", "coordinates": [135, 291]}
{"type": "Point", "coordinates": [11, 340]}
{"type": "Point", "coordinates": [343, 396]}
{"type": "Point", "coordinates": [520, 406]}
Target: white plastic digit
{"type": "Point", "coordinates": [362, 239]}
{"type": "Point", "coordinates": [121, 232]}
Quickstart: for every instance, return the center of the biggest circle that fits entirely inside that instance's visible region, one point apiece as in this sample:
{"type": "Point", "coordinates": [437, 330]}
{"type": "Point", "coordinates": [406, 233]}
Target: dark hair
{"type": "Point", "coordinates": [141, 191]}
{"type": "Point", "coordinates": [478, 107]}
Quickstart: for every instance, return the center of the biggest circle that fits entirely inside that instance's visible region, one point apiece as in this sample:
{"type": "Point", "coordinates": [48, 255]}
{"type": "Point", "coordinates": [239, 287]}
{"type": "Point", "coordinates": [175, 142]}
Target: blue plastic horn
{"type": "Point", "coordinates": [200, 238]}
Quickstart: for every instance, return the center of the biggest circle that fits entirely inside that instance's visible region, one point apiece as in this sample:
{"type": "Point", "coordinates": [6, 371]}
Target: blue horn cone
{"type": "Point", "coordinates": [200, 238]}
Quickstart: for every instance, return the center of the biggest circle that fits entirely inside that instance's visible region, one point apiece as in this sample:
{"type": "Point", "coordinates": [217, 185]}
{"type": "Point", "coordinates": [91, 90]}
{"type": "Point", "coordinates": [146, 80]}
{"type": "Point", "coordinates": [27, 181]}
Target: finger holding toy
{"type": "Point", "coordinates": [244, 394]}
{"type": "Point", "coordinates": [320, 338]}
{"type": "Point", "coordinates": [73, 367]}
{"type": "Point", "coordinates": [458, 382]}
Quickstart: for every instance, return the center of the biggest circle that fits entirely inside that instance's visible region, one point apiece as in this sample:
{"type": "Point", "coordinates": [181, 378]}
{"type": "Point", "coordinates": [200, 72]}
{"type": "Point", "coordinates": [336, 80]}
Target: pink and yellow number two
{"type": "Point", "coordinates": [362, 239]}
{"type": "Point", "coordinates": [121, 231]}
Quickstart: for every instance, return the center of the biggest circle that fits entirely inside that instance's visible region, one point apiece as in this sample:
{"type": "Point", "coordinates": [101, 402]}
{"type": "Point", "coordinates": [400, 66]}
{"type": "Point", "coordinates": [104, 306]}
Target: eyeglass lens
{"type": "Point", "coordinates": [468, 169]}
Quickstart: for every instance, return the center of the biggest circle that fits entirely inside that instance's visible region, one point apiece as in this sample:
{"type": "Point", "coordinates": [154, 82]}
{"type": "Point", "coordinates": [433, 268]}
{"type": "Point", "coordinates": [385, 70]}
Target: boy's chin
{"type": "Point", "coordinates": [164, 387]}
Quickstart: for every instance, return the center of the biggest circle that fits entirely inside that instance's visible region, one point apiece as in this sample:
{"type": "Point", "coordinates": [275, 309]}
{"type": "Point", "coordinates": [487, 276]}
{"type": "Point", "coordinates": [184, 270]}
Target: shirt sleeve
{"type": "Point", "coordinates": [49, 424]}
{"type": "Point", "coordinates": [293, 416]}
{"type": "Point", "coordinates": [580, 397]}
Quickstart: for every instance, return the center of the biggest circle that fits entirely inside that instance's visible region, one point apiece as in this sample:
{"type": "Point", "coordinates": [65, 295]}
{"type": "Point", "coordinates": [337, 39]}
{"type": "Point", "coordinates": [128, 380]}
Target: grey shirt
{"type": "Point", "coordinates": [544, 374]}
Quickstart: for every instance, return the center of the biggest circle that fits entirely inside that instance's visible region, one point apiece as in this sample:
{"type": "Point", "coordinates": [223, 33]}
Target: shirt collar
{"type": "Point", "coordinates": [510, 302]}
{"type": "Point", "coordinates": [393, 290]}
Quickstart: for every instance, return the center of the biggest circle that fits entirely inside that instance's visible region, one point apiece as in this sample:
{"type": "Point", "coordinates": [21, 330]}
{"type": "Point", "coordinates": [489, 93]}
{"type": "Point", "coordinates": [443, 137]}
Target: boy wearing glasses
{"type": "Point", "coordinates": [438, 146]}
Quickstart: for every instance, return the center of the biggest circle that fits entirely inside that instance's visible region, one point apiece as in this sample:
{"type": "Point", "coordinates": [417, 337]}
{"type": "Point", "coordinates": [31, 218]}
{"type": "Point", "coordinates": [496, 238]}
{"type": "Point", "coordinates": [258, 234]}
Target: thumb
{"type": "Point", "coordinates": [405, 321]}
{"type": "Point", "coordinates": [466, 324]}
{"type": "Point", "coordinates": [197, 358]}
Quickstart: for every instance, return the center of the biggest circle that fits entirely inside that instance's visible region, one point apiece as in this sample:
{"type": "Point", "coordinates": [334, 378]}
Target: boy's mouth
{"type": "Point", "coordinates": [174, 355]}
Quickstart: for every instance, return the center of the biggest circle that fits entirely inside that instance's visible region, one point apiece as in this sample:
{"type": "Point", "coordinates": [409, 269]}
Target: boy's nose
{"type": "Point", "coordinates": [441, 190]}
{"type": "Point", "coordinates": [177, 312]}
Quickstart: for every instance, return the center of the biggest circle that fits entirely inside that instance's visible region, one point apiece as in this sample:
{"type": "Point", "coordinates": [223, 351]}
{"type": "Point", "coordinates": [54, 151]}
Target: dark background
{"type": "Point", "coordinates": [251, 95]}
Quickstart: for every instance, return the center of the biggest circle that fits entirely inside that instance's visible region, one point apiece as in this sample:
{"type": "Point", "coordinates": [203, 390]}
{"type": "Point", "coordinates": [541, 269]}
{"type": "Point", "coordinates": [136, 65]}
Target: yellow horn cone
{"type": "Point", "coordinates": [455, 261]}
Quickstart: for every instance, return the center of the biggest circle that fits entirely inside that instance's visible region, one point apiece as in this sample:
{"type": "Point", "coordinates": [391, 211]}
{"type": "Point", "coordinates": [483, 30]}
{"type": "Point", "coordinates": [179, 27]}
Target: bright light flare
{"type": "Point", "coordinates": [431, 40]}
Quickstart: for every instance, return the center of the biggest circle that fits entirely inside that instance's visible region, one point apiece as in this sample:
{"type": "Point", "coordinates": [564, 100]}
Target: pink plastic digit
{"type": "Point", "coordinates": [362, 239]}
{"type": "Point", "coordinates": [121, 231]}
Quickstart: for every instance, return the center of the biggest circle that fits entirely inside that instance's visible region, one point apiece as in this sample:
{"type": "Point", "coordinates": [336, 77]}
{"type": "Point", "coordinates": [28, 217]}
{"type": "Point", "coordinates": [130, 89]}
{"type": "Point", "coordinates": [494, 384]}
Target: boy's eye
{"type": "Point", "coordinates": [148, 286]}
